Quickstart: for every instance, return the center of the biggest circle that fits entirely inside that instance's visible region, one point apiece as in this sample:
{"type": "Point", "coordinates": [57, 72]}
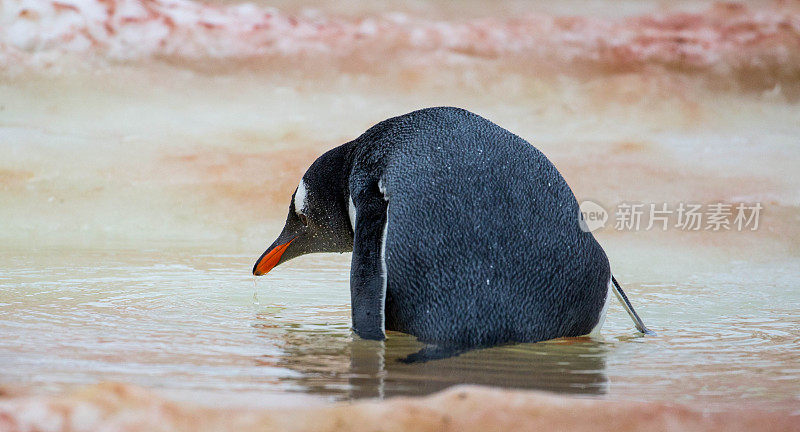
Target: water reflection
{"type": "Point", "coordinates": [178, 327]}
{"type": "Point", "coordinates": [335, 364]}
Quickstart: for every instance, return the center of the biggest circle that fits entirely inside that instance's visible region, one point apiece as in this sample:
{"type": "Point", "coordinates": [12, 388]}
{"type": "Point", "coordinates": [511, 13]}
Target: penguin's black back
{"type": "Point", "coordinates": [483, 244]}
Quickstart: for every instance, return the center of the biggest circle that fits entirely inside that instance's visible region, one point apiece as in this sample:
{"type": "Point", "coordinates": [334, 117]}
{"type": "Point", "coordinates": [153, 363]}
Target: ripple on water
{"type": "Point", "coordinates": [182, 328]}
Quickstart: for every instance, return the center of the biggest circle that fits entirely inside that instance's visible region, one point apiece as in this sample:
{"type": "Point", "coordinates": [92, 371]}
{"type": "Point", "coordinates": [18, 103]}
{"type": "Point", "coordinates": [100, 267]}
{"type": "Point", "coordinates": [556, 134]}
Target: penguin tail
{"type": "Point", "coordinates": [433, 352]}
{"type": "Point", "coordinates": [626, 304]}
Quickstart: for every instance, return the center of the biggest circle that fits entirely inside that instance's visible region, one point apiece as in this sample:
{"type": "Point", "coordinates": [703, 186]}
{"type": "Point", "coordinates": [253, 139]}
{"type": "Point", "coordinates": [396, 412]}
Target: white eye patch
{"type": "Point", "coordinates": [300, 198]}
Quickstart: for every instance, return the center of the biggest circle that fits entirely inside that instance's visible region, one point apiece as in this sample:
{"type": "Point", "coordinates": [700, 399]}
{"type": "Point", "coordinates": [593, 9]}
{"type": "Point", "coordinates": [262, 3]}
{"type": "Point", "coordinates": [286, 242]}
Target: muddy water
{"type": "Point", "coordinates": [134, 199]}
{"type": "Point", "coordinates": [184, 321]}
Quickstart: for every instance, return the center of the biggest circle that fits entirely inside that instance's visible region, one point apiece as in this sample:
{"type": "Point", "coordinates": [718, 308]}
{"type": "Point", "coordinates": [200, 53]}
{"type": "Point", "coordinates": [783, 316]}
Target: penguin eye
{"type": "Point", "coordinates": [303, 219]}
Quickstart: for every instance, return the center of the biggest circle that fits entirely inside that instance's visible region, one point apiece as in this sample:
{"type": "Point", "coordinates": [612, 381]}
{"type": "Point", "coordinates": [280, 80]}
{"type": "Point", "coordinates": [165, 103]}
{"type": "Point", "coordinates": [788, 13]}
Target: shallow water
{"type": "Point", "coordinates": [135, 197]}
{"type": "Point", "coordinates": [183, 321]}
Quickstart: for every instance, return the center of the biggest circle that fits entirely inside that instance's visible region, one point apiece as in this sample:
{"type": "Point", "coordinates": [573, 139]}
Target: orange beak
{"type": "Point", "coordinates": [270, 259]}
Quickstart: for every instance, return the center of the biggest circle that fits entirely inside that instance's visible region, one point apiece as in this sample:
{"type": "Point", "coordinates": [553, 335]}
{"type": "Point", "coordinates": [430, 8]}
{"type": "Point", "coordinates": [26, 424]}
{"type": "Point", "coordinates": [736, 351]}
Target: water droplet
{"type": "Point", "coordinates": [255, 292]}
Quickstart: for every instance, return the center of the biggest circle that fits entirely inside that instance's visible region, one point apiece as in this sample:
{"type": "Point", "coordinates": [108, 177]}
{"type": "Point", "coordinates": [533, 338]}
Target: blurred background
{"type": "Point", "coordinates": [149, 149]}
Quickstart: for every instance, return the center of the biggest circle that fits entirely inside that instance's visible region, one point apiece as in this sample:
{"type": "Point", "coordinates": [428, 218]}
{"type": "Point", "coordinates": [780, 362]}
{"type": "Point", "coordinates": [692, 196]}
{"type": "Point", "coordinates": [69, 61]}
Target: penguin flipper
{"type": "Point", "coordinates": [368, 268]}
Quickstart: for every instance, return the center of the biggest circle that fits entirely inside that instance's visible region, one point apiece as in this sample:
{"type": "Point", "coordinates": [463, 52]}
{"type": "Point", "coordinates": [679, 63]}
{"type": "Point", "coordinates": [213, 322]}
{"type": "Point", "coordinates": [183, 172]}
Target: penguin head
{"type": "Point", "coordinates": [318, 219]}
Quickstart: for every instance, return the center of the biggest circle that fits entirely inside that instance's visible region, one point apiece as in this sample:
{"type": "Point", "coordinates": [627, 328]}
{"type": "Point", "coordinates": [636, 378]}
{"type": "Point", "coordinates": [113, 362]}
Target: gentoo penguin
{"type": "Point", "coordinates": [463, 234]}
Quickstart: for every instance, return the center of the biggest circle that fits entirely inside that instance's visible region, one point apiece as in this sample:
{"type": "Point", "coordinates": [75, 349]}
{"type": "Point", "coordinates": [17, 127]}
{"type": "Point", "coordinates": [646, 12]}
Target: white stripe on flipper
{"type": "Point", "coordinates": [596, 330]}
{"type": "Point", "coordinates": [351, 211]}
{"type": "Point", "coordinates": [300, 197]}
{"type": "Point", "coordinates": [384, 275]}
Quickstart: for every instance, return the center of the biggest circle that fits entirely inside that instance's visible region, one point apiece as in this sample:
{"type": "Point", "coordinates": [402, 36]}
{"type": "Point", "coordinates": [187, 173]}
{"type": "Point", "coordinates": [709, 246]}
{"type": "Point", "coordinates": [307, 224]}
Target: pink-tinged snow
{"type": "Point", "coordinates": [118, 407]}
{"type": "Point", "coordinates": [724, 37]}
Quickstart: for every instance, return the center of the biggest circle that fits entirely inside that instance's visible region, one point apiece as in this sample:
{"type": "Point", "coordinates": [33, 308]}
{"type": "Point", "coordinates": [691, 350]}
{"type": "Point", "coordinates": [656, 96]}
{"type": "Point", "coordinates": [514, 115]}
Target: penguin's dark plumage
{"type": "Point", "coordinates": [463, 234]}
